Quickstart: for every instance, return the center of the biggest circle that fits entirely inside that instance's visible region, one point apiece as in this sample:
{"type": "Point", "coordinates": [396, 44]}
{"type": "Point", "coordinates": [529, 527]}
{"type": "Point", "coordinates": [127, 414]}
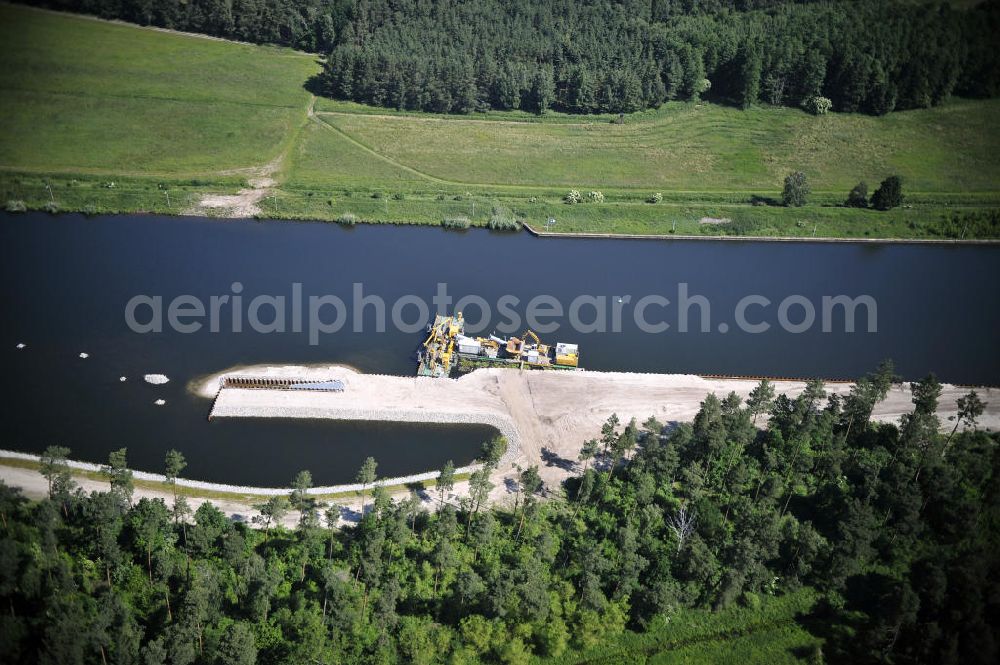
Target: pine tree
{"type": "Point", "coordinates": [889, 194]}
{"type": "Point", "coordinates": [858, 197]}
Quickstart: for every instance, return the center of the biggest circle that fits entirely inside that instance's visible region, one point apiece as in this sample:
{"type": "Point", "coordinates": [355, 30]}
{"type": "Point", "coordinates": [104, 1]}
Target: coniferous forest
{"type": "Point", "coordinates": [894, 525]}
{"type": "Point", "coordinates": [619, 56]}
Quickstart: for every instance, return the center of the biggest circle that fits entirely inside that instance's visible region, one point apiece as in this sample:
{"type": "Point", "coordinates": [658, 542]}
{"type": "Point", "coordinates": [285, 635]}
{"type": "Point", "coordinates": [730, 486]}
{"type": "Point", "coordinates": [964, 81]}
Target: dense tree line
{"type": "Point", "coordinates": [309, 25]}
{"type": "Point", "coordinates": [897, 525]}
{"type": "Point", "coordinates": [586, 56]}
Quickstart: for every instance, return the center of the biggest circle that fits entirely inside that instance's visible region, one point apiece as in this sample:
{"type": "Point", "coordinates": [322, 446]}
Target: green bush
{"type": "Point", "coordinates": [504, 224]}
{"type": "Point", "coordinates": [15, 206]}
{"type": "Point", "coordinates": [858, 197]}
{"type": "Point", "coordinates": [817, 105]}
{"type": "Point", "coordinates": [456, 222]}
{"type": "Point", "coordinates": [502, 219]}
{"type": "Point", "coordinates": [655, 198]}
{"type": "Point", "coordinates": [572, 197]}
{"type": "Point", "coordinates": [51, 207]}
{"type": "Point", "coordinates": [796, 189]}
{"type": "Point", "coordinates": [347, 219]}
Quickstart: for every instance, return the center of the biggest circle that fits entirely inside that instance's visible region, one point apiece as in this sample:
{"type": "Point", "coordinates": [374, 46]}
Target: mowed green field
{"type": "Point", "coordinates": [86, 96]}
{"type": "Point", "coordinates": [169, 118]}
{"type": "Point", "coordinates": [691, 147]}
{"type": "Point", "coordinates": [324, 158]}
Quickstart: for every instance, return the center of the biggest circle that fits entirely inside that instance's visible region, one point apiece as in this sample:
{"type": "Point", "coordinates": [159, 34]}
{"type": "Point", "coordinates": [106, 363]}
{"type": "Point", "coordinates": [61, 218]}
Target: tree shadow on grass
{"type": "Point", "coordinates": [758, 200]}
{"type": "Point", "coordinates": [316, 85]}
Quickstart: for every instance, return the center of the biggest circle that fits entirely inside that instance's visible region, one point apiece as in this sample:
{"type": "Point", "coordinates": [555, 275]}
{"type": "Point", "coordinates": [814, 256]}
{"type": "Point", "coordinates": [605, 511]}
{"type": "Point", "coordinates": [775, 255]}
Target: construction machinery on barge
{"type": "Point", "coordinates": [447, 345]}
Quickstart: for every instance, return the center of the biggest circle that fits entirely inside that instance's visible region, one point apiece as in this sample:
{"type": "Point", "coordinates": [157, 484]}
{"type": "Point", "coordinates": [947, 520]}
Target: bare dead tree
{"type": "Point", "coordinates": [682, 525]}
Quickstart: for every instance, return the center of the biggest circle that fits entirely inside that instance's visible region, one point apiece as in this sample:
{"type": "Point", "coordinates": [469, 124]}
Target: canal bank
{"type": "Point", "coordinates": [742, 238]}
{"type": "Point", "coordinates": [546, 415]}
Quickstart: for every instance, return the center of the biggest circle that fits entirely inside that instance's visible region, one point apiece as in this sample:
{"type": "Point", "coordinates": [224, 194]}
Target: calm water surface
{"type": "Point", "coordinates": [67, 279]}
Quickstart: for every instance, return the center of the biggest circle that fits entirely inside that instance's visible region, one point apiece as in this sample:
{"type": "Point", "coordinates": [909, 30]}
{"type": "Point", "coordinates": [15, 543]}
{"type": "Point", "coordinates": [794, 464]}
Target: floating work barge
{"type": "Point", "coordinates": [447, 344]}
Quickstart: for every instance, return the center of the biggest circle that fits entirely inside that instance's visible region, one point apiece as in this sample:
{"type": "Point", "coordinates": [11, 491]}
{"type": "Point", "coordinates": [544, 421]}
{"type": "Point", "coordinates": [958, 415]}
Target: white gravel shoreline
{"type": "Point", "coordinates": [241, 489]}
{"type": "Point", "coordinates": [546, 416]}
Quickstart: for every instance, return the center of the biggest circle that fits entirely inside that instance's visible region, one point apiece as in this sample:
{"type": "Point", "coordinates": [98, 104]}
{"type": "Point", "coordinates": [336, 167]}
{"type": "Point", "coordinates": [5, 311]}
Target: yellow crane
{"type": "Point", "coordinates": [440, 345]}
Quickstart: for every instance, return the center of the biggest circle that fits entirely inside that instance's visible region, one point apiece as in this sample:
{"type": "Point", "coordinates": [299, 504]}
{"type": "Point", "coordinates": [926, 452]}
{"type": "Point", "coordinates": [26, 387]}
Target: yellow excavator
{"type": "Point", "coordinates": [534, 353]}
{"type": "Point", "coordinates": [449, 348]}
{"type": "Point", "coordinates": [491, 347]}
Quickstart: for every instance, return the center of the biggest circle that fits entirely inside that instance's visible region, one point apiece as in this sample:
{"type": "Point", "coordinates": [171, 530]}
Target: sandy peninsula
{"type": "Point", "coordinates": [552, 413]}
{"type": "Point", "coordinates": [546, 415]}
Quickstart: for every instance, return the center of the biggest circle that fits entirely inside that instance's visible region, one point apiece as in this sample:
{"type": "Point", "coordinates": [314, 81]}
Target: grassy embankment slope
{"type": "Point", "coordinates": [88, 102]}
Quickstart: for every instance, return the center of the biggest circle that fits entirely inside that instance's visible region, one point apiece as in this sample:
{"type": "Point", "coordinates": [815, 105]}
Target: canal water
{"type": "Point", "coordinates": [67, 281]}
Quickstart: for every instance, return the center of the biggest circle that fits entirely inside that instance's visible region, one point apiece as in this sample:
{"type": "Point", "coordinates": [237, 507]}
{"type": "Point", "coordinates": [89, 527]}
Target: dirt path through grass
{"type": "Point", "coordinates": [246, 202]}
{"type": "Point", "coordinates": [388, 160]}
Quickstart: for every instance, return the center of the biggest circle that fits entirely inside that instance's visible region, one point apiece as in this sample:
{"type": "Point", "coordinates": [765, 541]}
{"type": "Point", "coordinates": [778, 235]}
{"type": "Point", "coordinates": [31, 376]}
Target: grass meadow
{"type": "Point", "coordinates": [699, 148]}
{"type": "Point", "coordinates": [87, 96]}
{"type": "Point", "coordinates": [87, 103]}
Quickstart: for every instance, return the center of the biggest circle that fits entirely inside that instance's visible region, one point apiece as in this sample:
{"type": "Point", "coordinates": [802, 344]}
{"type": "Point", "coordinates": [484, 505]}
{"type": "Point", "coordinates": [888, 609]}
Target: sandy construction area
{"type": "Point", "coordinates": [547, 415]}
{"type": "Point", "coordinates": [553, 412]}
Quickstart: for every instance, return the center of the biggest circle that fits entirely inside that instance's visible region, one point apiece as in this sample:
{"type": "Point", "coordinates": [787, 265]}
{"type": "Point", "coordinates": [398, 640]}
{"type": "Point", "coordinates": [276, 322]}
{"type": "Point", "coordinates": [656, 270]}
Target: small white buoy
{"type": "Point", "coordinates": [160, 402]}
{"type": "Point", "coordinates": [122, 379]}
{"type": "Point", "coordinates": [84, 355]}
{"type": "Point", "coordinates": [156, 379]}
{"type": "Point", "coordinates": [22, 345]}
